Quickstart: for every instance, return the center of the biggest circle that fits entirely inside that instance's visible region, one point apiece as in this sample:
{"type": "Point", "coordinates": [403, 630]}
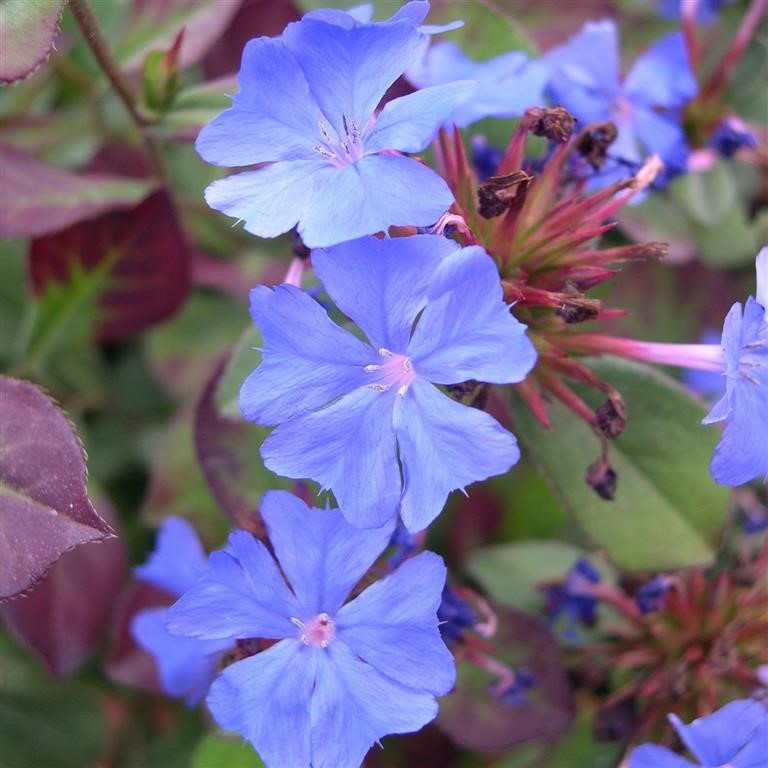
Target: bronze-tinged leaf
{"type": "Point", "coordinates": [43, 496]}
{"type": "Point", "coordinates": [474, 720]}
{"type": "Point", "coordinates": [149, 270]}
{"type": "Point", "coordinates": [38, 199]}
{"type": "Point", "coordinates": [65, 617]}
{"type": "Point", "coordinates": [27, 31]}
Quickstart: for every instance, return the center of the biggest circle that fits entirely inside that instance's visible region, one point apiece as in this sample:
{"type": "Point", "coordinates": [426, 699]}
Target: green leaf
{"type": "Point", "coordinates": [510, 572]}
{"type": "Point", "coordinates": [56, 725]}
{"type": "Point", "coordinates": [214, 751]}
{"type": "Point", "coordinates": [27, 31]}
{"type": "Point", "coordinates": [668, 511]}
{"type": "Point", "coordinates": [194, 107]}
{"type": "Point", "coordinates": [708, 196]}
{"type": "Point", "coordinates": [735, 240]}
{"type": "Point", "coordinates": [245, 358]}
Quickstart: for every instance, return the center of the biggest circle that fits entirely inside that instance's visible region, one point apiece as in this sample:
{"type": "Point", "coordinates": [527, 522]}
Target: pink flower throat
{"type": "Point", "coordinates": [396, 371]}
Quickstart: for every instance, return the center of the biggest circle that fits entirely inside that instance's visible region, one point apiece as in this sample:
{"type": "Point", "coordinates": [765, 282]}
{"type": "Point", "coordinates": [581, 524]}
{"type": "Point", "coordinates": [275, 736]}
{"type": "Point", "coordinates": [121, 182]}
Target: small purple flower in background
{"type": "Point", "coordinates": [742, 453]}
{"type": "Point", "coordinates": [645, 106]}
{"type": "Point", "coordinates": [186, 666]}
{"type": "Point", "coordinates": [706, 10]}
{"type": "Point", "coordinates": [305, 111]}
{"type": "Point", "coordinates": [736, 736]}
{"type": "Point", "coordinates": [652, 596]}
{"type": "Point", "coordinates": [574, 598]}
{"type": "Point", "coordinates": [502, 87]}
{"type": "Point", "coordinates": [365, 419]}
{"type": "Point", "coordinates": [512, 692]}
{"type": "Point", "coordinates": [340, 676]}
{"type": "Point", "coordinates": [732, 135]}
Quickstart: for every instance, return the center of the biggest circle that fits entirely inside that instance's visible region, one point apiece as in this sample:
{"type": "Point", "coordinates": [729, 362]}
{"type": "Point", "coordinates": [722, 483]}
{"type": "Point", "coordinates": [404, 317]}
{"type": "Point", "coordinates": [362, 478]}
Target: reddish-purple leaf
{"type": "Point", "coordinates": [150, 273]}
{"type": "Point", "coordinates": [253, 19]}
{"type": "Point", "coordinates": [126, 662]}
{"type": "Point", "coordinates": [67, 614]}
{"type": "Point", "coordinates": [37, 199]}
{"type": "Point", "coordinates": [27, 31]}
{"type": "Point", "coordinates": [474, 720]}
{"type": "Point", "coordinates": [45, 505]}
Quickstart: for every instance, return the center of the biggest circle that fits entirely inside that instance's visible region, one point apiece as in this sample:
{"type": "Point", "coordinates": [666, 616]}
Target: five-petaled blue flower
{"type": "Point", "coordinates": [186, 666]}
{"type": "Point", "coordinates": [645, 106]}
{"type": "Point", "coordinates": [742, 453]}
{"type": "Point", "coordinates": [502, 87]}
{"type": "Point", "coordinates": [341, 676]}
{"type": "Point", "coordinates": [365, 419]}
{"type": "Point", "coordinates": [736, 736]}
{"type": "Point", "coordinates": [305, 113]}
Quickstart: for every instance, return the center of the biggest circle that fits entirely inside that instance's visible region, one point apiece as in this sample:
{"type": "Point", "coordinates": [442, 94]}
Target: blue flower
{"type": "Point", "coordinates": [742, 453]}
{"type": "Point", "coordinates": [735, 736]}
{"type": "Point", "coordinates": [730, 136]}
{"type": "Point", "coordinates": [455, 616]}
{"type": "Point", "coordinates": [305, 113]}
{"type": "Point", "coordinates": [574, 599]}
{"type": "Point", "coordinates": [340, 676]}
{"type": "Point", "coordinates": [645, 106]}
{"type": "Point", "coordinates": [363, 419]}
{"type": "Point", "coordinates": [502, 87]}
{"type": "Point", "coordinates": [652, 596]}
{"type": "Point", "coordinates": [186, 666]}
{"type": "Point", "coordinates": [706, 10]}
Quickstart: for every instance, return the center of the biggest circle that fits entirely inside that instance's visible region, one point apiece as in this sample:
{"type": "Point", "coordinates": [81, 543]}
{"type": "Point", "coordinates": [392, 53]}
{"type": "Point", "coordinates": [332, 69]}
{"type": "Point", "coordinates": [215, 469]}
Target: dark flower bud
{"type": "Point", "coordinates": [556, 124]}
{"type": "Point", "coordinates": [602, 477]}
{"type": "Point", "coordinates": [512, 692]}
{"type": "Point", "coordinates": [455, 615]}
{"type": "Point", "coordinates": [612, 416]}
{"type": "Point", "coordinates": [652, 596]}
{"type": "Point", "coordinates": [581, 312]}
{"type": "Point", "coordinates": [498, 193]}
{"type": "Point", "coordinates": [593, 141]}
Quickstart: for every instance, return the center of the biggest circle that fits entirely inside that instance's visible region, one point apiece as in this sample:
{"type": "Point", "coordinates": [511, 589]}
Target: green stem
{"type": "Point", "coordinates": [89, 26]}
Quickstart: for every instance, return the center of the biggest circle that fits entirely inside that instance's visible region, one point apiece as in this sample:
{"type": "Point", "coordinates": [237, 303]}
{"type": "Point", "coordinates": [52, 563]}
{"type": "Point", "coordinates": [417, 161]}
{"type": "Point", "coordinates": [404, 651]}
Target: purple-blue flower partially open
{"type": "Point", "coordinates": [735, 736]}
{"type": "Point", "coordinates": [305, 114]}
{"type": "Point", "coordinates": [364, 419]}
{"type": "Point", "coordinates": [340, 676]}
{"type": "Point", "coordinates": [186, 666]}
{"type": "Point", "coordinates": [502, 87]}
{"type": "Point", "coordinates": [645, 106]}
{"type": "Point", "coordinates": [742, 453]}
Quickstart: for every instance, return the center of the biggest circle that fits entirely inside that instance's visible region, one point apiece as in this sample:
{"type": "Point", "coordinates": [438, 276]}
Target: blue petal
{"type": "Point", "coordinates": [382, 284]}
{"type": "Point", "coordinates": [753, 754]}
{"type": "Point", "coordinates": [503, 87]}
{"type": "Point", "coordinates": [348, 447]}
{"type": "Point", "coordinates": [321, 554]}
{"type": "Point", "coordinates": [270, 200]}
{"type": "Point", "coordinates": [653, 756]}
{"type": "Point", "coordinates": [178, 559]}
{"type": "Point", "coordinates": [273, 117]}
{"type": "Point", "coordinates": [662, 76]}
{"type": "Point", "coordinates": [349, 70]}
{"type": "Point", "coordinates": [659, 134]}
{"type": "Point", "coordinates": [742, 453]}
{"type": "Point", "coordinates": [265, 698]}
{"type": "Point", "coordinates": [761, 269]}
{"type": "Point", "coordinates": [359, 14]}
{"type": "Point", "coordinates": [393, 626]}
{"type": "Point", "coordinates": [466, 330]}
{"type": "Point", "coordinates": [307, 360]}
{"type": "Point", "coordinates": [409, 124]}
{"type": "Point", "coordinates": [186, 666]}
{"type": "Point", "coordinates": [353, 706]}
{"type": "Point", "coordinates": [585, 71]}
{"type": "Point", "coordinates": [414, 12]}
{"type": "Point", "coordinates": [715, 740]}
{"type": "Point", "coordinates": [460, 445]}
{"type": "Point", "coordinates": [371, 195]}
{"type": "Point", "coordinates": [241, 595]}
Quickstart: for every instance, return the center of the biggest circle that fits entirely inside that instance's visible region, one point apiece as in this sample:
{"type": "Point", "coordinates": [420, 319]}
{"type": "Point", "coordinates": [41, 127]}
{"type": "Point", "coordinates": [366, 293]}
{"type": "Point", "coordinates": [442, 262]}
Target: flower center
{"type": "Point", "coordinates": [319, 632]}
{"type": "Point", "coordinates": [397, 370]}
{"type": "Point", "coordinates": [341, 152]}
{"type": "Point", "coordinates": [621, 109]}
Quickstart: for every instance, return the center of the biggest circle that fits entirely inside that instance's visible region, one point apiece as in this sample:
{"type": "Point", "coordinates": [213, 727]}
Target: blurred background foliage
{"type": "Point", "coordinates": [125, 298]}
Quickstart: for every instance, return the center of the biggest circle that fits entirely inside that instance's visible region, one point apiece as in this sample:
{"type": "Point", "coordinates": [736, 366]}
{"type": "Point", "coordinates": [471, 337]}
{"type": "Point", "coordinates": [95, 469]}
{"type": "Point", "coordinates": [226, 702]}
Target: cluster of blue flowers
{"type": "Point", "coordinates": [356, 406]}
